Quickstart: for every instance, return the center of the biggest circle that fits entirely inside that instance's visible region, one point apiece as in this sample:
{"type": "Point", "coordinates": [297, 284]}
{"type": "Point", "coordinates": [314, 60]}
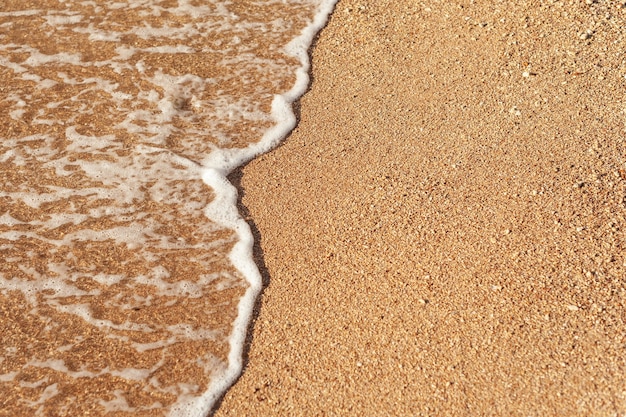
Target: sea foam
{"type": "Point", "coordinates": [224, 208]}
{"type": "Point", "coordinates": [125, 261]}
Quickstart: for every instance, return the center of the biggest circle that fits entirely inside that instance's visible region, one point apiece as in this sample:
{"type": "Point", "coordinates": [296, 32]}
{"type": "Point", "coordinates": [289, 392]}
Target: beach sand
{"type": "Point", "coordinates": [443, 233]}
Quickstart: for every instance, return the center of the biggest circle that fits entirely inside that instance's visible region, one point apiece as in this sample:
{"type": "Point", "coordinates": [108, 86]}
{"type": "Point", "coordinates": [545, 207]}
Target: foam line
{"type": "Point", "coordinates": [223, 210]}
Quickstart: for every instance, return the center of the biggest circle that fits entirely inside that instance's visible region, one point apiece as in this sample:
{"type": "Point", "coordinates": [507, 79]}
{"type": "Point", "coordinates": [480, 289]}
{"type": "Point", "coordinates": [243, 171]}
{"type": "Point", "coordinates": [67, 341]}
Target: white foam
{"type": "Point", "coordinates": [223, 210]}
{"type": "Point", "coordinates": [59, 286]}
{"type": "Point", "coordinates": [20, 13]}
{"type": "Point", "coordinates": [133, 374]}
{"type": "Point", "coordinates": [216, 120]}
{"type": "Point", "coordinates": [59, 20]}
{"type": "Point", "coordinates": [49, 392]}
{"type": "Point", "coordinates": [8, 377]}
{"type": "Point", "coordinates": [8, 220]}
{"type": "Point", "coordinates": [84, 311]}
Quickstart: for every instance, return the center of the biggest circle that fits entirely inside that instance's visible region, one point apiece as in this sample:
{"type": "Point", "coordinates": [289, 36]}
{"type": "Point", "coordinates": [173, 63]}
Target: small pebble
{"type": "Point", "coordinates": [586, 34]}
{"type": "Point", "coordinates": [572, 307]}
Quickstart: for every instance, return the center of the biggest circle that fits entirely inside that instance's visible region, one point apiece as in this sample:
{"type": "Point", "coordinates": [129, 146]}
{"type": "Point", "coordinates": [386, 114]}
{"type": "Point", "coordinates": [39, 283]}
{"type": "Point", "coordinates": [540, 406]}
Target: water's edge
{"type": "Point", "coordinates": [223, 210]}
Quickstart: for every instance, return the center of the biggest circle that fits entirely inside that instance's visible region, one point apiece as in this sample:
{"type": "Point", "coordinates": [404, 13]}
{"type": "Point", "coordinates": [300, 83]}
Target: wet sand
{"type": "Point", "coordinates": [443, 233]}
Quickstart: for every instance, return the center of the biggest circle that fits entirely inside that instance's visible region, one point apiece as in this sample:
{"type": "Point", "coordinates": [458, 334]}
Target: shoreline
{"type": "Point", "coordinates": [444, 229]}
{"type": "Point", "coordinates": [125, 260]}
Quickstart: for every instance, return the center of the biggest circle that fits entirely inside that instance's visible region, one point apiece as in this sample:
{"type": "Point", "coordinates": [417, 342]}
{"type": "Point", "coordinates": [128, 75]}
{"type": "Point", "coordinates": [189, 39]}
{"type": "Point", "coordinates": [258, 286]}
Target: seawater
{"type": "Point", "coordinates": [126, 273]}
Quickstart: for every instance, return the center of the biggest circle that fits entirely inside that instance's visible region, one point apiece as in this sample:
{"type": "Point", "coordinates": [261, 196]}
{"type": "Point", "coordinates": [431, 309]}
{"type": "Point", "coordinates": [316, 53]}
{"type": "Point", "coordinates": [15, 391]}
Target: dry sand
{"type": "Point", "coordinates": [443, 233]}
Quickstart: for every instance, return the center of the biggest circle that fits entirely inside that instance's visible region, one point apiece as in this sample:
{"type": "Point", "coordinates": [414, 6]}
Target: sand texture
{"type": "Point", "coordinates": [443, 233]}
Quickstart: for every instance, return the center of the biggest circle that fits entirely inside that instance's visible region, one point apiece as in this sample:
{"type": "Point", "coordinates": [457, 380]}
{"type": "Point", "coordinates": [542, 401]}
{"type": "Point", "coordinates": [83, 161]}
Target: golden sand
{"type": "Point", "coordinates": [443, 233]}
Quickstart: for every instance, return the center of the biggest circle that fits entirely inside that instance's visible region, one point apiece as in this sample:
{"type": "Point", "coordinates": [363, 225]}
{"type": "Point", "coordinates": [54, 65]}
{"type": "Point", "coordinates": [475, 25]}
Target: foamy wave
{"type": "Point", "coordinates": [127, 275]}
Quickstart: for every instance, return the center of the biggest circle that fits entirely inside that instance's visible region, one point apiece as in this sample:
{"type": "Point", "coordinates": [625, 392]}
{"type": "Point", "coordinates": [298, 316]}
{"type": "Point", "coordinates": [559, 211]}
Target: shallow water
{"type": "Point", "coordinates": [126, 277]}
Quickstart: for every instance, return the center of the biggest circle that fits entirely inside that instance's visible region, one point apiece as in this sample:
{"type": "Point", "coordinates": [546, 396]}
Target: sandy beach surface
{"type": "Point", "coordinates": [443, 233]}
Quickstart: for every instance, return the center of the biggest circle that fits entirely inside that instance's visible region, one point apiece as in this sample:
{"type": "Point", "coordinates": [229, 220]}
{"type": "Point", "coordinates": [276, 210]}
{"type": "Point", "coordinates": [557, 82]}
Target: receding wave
{"type": "Point", "coordinates": [121, 284]}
